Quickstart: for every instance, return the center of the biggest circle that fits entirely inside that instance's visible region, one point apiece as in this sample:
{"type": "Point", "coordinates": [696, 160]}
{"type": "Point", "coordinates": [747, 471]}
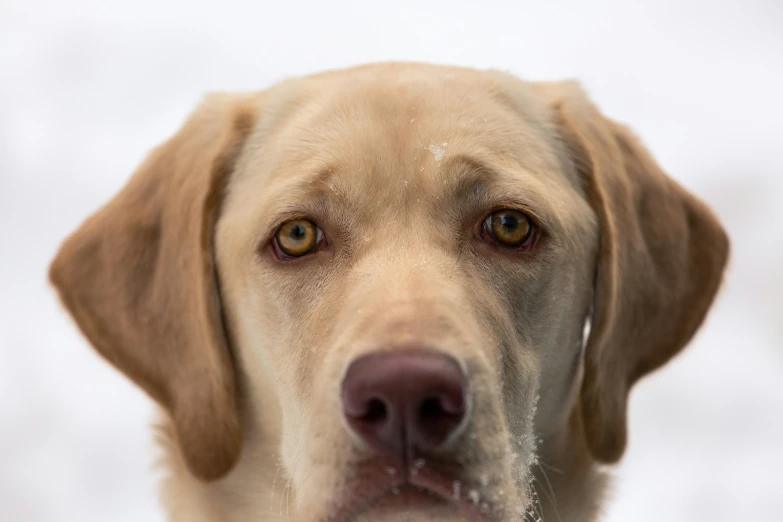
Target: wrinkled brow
{"type": "Point", "coordinates": [481, 184]}
{"type": "Point", "coordinates": [471, 182]}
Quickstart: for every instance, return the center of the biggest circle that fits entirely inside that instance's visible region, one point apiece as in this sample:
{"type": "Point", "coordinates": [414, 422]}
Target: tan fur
{"type": "Point", "coordinates": [398, 164]}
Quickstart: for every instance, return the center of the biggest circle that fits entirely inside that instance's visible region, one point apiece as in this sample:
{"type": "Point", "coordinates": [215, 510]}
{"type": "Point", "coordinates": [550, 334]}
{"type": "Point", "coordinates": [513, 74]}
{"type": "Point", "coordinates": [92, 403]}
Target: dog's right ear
{"type": "Point", "coordinates": [139, 279]}
{"type": "Point", "coordinates": [661, 258]}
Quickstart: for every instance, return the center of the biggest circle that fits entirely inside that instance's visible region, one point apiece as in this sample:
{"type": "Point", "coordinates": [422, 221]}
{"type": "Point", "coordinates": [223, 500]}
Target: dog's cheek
{"type": "Point", "coordinates": [321, 450]}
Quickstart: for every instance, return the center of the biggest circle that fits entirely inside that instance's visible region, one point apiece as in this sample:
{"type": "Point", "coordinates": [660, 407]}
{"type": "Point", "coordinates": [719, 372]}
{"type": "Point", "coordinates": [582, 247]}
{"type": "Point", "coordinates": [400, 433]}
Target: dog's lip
{"type": "Point", "coordinates": [452, 490]}
{"type": "Point", "coordinates": [386, 480]}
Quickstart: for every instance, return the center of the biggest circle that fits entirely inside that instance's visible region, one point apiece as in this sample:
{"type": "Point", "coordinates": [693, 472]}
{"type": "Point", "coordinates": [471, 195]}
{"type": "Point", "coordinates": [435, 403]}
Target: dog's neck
{"type": "Point", "coordinates": [569, 486]}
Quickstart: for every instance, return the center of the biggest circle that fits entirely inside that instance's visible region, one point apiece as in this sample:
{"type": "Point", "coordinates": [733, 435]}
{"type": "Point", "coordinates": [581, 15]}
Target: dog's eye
{"type": "Point", "coordinates": [297, 238]}
{"type": "Point", "coordinates": [510, 228]}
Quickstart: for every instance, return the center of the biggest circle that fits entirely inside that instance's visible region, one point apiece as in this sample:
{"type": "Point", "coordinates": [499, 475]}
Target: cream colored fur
{"type": "Point", "coordinates": [398, 164]}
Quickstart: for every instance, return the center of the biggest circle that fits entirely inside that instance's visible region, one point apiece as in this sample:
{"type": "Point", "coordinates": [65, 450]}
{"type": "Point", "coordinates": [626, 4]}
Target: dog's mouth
{"type": "Point", "coordinates": [423, 486]}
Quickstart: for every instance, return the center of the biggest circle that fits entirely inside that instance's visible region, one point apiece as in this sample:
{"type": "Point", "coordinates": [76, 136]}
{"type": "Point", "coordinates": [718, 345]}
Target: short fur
{"type": "Point", "coordinates": [174, 283]}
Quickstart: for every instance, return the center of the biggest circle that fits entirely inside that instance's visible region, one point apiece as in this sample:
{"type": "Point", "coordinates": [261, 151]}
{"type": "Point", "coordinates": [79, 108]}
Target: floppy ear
{"type": "Point", "coordinates": [139, 279]}
{"type": "Point", "coordinates": [660, 263]}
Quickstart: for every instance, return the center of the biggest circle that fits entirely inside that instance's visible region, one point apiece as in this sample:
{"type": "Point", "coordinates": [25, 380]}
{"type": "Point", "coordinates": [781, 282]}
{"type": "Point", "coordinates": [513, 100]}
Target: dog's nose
{"type": "Point", "coordinates": [394, 401]}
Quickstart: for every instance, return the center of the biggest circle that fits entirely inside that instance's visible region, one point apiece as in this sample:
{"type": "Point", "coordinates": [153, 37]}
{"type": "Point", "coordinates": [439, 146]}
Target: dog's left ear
{"type": "Point", "coordinates": [139, 279]}
{"type": "Point", "coordinates": [660, 262]}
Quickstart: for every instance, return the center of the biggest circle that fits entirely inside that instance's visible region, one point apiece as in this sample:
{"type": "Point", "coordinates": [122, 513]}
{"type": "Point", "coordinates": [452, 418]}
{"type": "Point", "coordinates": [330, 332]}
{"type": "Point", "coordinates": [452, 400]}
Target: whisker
{"type": "Point", "coordinates": [274, 483]}
{"type": "Point", "coordinates": [284, 497]}
{"type": "Point", "coordinates": [551, 468]}
{"type": "Point", "coordinates": [551, 499]}
{"type": "Point", "coordinates": [537, 507]}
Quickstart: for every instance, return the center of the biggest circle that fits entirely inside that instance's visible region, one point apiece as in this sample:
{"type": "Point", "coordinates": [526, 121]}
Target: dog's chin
{"type": "Point", "coordinates": [424, 494]}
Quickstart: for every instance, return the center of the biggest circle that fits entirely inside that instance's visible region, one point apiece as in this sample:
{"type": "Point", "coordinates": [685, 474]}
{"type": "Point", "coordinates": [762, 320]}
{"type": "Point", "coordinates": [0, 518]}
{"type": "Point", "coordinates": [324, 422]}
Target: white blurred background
{"type": "Point", "coordinates": [88, 87]}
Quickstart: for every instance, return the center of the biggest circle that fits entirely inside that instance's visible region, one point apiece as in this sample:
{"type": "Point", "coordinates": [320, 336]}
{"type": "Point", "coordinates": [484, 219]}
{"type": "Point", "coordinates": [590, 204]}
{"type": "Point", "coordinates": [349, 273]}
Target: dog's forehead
{"type": "Point", "coordinates": [393, 117]}
{"type": "Point", "coordinates": [392, 136]}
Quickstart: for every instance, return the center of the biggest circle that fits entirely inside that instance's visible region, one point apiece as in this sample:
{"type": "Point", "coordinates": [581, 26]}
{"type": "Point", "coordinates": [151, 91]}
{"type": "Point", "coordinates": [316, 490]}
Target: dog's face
{"type": "Point", "coordinates": [438, 220]}
{"type": "Point", "coordinates": [385, 274]}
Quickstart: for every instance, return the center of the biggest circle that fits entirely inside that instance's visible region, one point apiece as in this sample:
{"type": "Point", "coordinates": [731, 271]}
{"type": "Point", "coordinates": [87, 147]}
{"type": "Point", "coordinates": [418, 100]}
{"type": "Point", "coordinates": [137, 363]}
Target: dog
{"type": "Point", "coordinates": [397, 292]}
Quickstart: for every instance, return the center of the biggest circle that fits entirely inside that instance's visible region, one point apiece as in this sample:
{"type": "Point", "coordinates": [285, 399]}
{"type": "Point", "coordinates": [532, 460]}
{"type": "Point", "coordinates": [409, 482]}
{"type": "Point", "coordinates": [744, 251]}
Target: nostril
{"type": "Point", "coordinates": [437, 417]}
{"type": "Point", "coordinates": [453, 402]}
{"type": "Point", "coordinates": [431, 408]}
{"type": "Point", "coordinates": [438, 408]}
{"type": "Point", "coordinates": [373, 420]}
{"type": "Point", "coordinates": [377, 412]}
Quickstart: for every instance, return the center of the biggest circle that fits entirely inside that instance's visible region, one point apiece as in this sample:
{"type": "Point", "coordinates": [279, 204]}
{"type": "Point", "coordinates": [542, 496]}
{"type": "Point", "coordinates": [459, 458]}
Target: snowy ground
{"type": "Point", "coordinates": [86, 88]}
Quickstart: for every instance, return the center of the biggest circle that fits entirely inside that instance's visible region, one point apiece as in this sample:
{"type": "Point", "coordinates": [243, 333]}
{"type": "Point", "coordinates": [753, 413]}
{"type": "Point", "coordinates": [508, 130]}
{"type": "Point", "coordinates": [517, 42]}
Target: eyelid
{"type": "Point", "coordinates": [536, 221]}
{"type": "Point", "coordinates": [485, 185]}
{"type": "Point", "coordinates": [282, 219]}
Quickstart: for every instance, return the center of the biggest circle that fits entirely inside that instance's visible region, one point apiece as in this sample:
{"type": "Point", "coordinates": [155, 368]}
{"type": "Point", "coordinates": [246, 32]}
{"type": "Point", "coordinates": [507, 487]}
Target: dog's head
{"type": "Point", "coordinates": [384, 275]}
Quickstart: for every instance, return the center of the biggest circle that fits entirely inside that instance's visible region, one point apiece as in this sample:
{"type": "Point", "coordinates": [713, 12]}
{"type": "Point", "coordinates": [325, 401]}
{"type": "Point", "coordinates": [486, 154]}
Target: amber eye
{"type": "Point", "coordinates": [510, 228]}
{"type": "Point", "coordinates": [297, 237]}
